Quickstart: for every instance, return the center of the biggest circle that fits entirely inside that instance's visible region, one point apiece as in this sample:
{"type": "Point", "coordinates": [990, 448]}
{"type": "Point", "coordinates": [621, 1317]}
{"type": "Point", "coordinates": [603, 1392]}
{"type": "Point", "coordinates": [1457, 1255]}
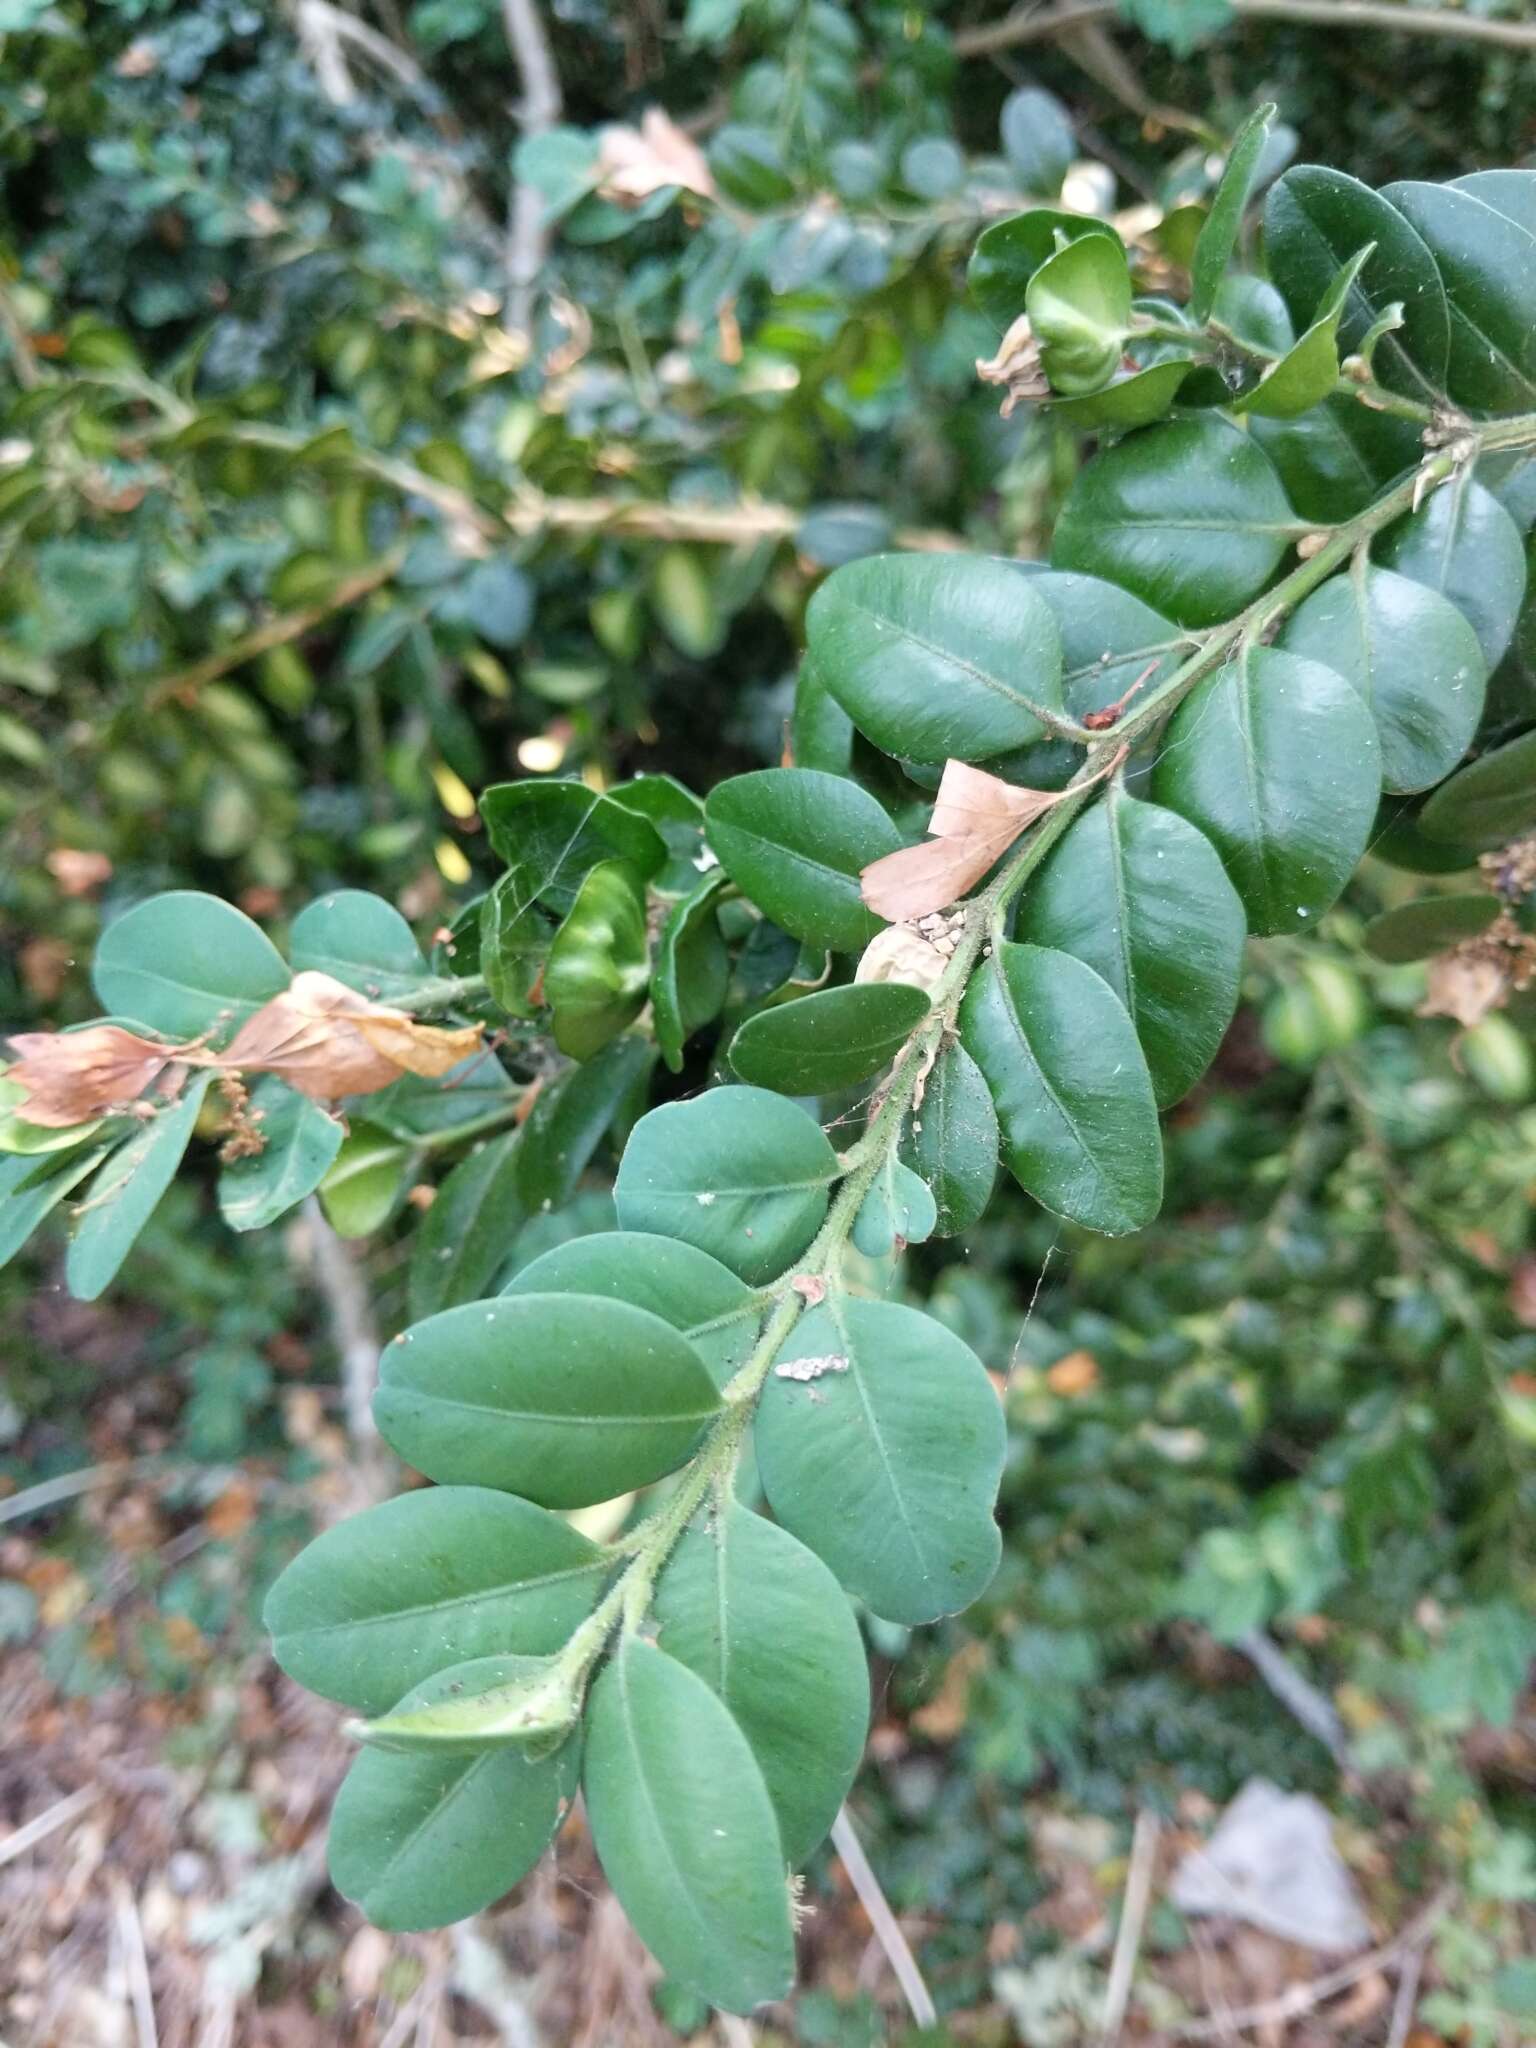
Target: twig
{"type": "Point", "coordinates": [1303, 1998]}
{"type": "Point", "coordinates": [1035, 25]}
{"type": "Point", "coordinates": [59, 1815]}
{"type": "Point", "coordinates": [537, 112]}
{"type": "Point", "coordinates": [738, 525]}
{"type": "Point", "coordinates": [322, 31]}
{"type": "Point", "coordinates": [182, 687]}
{"type": "Point", "coordinates": [1298, 1695]}
{"type": "Point", "coordinates": [887, 1929]}
{"type": "Point", "coordinates": [356, 1337]}
{"type": "Point", "coordinates": [49, 1493]}
{"type": "Point", "coordinates": [1407, 1996]}
{"type": "Point", "coordinates": [1133, 1915]}
{"type": "Point", "coordinates": [130, 1934]}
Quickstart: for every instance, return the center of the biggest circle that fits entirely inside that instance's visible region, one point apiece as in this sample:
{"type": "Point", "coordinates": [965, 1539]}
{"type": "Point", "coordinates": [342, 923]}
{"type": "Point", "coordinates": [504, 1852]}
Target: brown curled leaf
{"type": "Point", "coordinates": [326, 1040]}
{"type": "Point", "coordinates": [655, 157]}
{"type": "Point", "coordinates": [71, 1076]}
{"type": "Point", "coordinates": [976, 818]}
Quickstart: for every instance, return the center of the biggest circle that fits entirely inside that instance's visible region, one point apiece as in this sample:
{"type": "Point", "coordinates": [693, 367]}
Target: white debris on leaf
{"type": "Point", "coordinates": [811, 1368]}
{"type": "Point", "coordinates": [1272, 1862]}
{"type": "Point", "coordinates": [902, 952]}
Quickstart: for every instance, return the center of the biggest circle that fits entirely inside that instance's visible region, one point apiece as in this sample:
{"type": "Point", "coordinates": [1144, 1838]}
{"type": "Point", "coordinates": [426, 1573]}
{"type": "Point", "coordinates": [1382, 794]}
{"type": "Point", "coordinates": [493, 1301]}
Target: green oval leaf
{"type": "Point", "coordinates": [360, 940]}
{"type": "Point", "coordinates": [1314, 220]}
{"type": "Point", "coordinates": [796, 841]}
{"type": "Point", "coordinates": [300, 1142]}
{"type": "Point", "coordinates": [1412, 656]}
{"type": "Point", "coordinates": [1334, 460]}
{"type": "Point", "coordinates": [1414, 931]}
{"type": "Point", "coordinates": [1008, 254]}
{"type": "Point", "coordinates": [880, 1444]}
{"type": "Point", "coordinates": [740, 1173]}
{"type": "Point", "coordinates": [716, 1312]}
{"type": "Point", "coordinates": [126, 1192]}
{"type": "Point", "coordinates": [1071, 1087]}
{"type": "Point", "coordinates": [539, 1699]}
{"type": "Point", "coordinates": [829, 1039]}
{"type": "Point", "coordinates": [465, 1237]}
{"type": "Point", "coordinates": [1276, 760]}
{"type": "Point", "coordinates": [366, 1182]}
{"type": "Point", "coordinates": [1490, 801]}
{"type": "Point", "coordinates": [1218, 237]}
{"type": "Point", "coordinates": [936, 656]}
{"type": "Point", "coordinates": [685, 1830]}
{"type": "Point", "coordinates": [184, 963]}
{"type": "Point", "coordinates": [820, 730]}
{"type": "Point", "coordinates": [1463, 544]}
{"type": "Point", "coordinates": [1487, 265]}
{"type": "Point", "coordinates": [571, 1117]}
{"type": "Point", "coordinates": [551, 833]}
{"type": "Point", "coordinates": [763, 1622]}
{"type": "Point", "coordinates": [1135, 400]}
{"type": "Point", "coordinates": [1141, 896]}
{"type": "Point", "coordinates": [563, 1398]}
{"type": "Point", "coordinates": [898, 1210]}
{"type": "Point", "coordinates": [378, 1603]}
{"type": "Point", "coordinates": [951, 1140]}
{"type": "Point", "coordinates": [599, 963]}
{"type": "Point", "coordinates": [1306, 374]}
{"type": "Point", "coordinates": [692, 972]}
{"type": "Point", "coordinates": [424, 1840]}
{"type": "Point", "coordinates": [1188, 516]}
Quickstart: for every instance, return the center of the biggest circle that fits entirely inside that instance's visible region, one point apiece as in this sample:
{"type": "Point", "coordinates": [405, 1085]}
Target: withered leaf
{"type": "Point", "coordinates": [976, 818]}
{"type": "Point", "coordinates": [71, 1076]}
{"type": "Point", "coordinates": [656, 156]}
{"type": "Point", "coordinates": [326, 1040]}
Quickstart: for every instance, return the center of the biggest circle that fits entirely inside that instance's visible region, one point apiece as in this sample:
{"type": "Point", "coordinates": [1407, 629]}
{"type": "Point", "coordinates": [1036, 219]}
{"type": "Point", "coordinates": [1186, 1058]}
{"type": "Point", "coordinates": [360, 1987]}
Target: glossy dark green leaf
{"type": "Point", "coordinates": [1489, 801]}
{"type": "Point", "coordinates": [126, 1191]}
{"type": "Point", "coordinates": [565, 1399]}
{"type": "Point", "coordinates": [1070, 1084]}
{"type": "Point", "coordinates": [425, 1839]}
{"type": "Point", "coordinates": [1008, 254]}
{"type": "Point", "coordinates": [937, 656]}
{"type": "Point", "coordinates": [1109, 639]}
{"type": "Point", "coordinates": [29, 1193]}
{"type": "Point", "coordinates": [1135, 400]}
{"type": "Point", "coordinates": [377, 1603]}
{"type": "Point", "coordinates": [551, 833]}
{"type": "Point", "coordinates": [1512, 193]}
{"type": "Point", "coordinates": [880, 1444]}
{"type": "Point", "coordinates": [1141, 896]}
{"type": "Point", "coordinates": [678, 816]}
{"type": "Point", "coordinates": [1314, 221]}
{"type": "Point", "coordinates": [1336, 459]}
{"type": "Point", "coordinates": [1308, 372]}
{"type": "Point", "coordinates": [829, 1039]}
{"type": "Point", "coordinates": [715, 1311]}
{"type": "Point", "coordinates": [685, 1829]}
{"type": "Point", "coordinates": [1188, 516]}
{"type": "Point", "coordinates": [1463, 543]}
{"type": "Point", "coordinates": [366, 1181]}
{"type": "Point", "coordinates": [763, 1622]}
{"type": "Point", "coordinates": [898, 1210]}
{"type": "Point", "coordinates": [820, 731]}
{"type": "Point", "coordinates": [692, 971]}
{"type": "Point", "coordinates": [1276, 760]}
{"type": "Point", "coordinates": [1412, 656]}
{"type": "Point", "coordinates": [515, 933]}
{"type": "Point", "coordinates": [1399, 839]}
{"type": "Point", "coordinates": [795, 842]}
{"type": "Point", "coordinates": [184, 963]}
{"type": "Point", "coordinates": [1079, 307]}
{"type": "Point", "coordinates": [951, 1140]}
{"type": "Point", "coordinates": [739, 1172]}
{"type": "Point", "coordinates": [1218, 237]}
{"type": "Point", "coordinates": [599, 964]}
{"type": "Point", "coordinates": [1487, 264]}
{"type": "Point", "coordinates": [299, 1145]}
{"type": "Point", "coordinates": [570, 1118]}
{"type": "Point", "coordinates": [466, 1236]}
{"type": "Point", "coordinates": [1414, 931]}
{"type": "Point", "coordinates": [360, 940]}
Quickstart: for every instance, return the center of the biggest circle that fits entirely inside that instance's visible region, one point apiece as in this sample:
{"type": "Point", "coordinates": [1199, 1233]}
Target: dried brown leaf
{"type": "Point", "coordinates": [326, 1040]}
{"type": "Point", "coordinates": [76, 871]}
{"type": "Point", "coordinates": [1465, 984]}
{"type": "Point", "coordinates": [976, 818]}
{"type": "Point", "coordinates": [1016, 366]}
{"type": "Point", "coordinates": [71, 1076]}
{"type": "Point", "coordinates": [655, 157]}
